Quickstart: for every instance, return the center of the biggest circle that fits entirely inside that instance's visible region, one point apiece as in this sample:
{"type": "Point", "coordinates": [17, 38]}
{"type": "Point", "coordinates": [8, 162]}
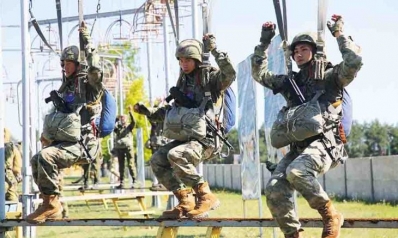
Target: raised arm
{"type": "Point", "coordinates": [259, 60]}
{"type": "Point", "coordinates": [345, 72]}
{"type": "Point", "coordinates": [223, 77]}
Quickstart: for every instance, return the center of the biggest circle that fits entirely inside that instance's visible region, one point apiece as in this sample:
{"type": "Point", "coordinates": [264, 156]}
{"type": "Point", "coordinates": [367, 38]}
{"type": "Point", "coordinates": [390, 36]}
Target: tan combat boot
{"type": "Point", "coordinates": [332, 221]}
{"type": "Point", "coordinates": [50, 209]}
{"type": "Point", "coordinates": [206, 201]}
{"type": "Point", "coordinates": [186, 203]}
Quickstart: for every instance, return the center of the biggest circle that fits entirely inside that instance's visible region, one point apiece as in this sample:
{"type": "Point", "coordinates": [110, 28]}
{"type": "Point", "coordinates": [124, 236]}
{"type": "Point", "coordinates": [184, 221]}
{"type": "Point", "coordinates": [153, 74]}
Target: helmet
{"type": "Point", "coordinates": [304, 37]}
{"type": "Point", "coordinates": [190, 48]}
{"type": "Point", "coordinates": [70, 53]}
{"type": "Point", "coordinates": [7, 135]}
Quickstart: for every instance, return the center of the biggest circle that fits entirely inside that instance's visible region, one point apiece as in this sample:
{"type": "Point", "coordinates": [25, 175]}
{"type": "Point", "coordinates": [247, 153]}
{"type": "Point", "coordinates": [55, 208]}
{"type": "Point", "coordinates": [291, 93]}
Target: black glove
{"type": "Point", "coordinates": [141, 109]}
{"type": "Point", "coordinates": [209, 42]}
{"type": "Point", "coordinates": [337, 25]}
{"type": "Point", "coordinates": [267, 32]}
{"type": "Point", "coordinates": [270, 166]}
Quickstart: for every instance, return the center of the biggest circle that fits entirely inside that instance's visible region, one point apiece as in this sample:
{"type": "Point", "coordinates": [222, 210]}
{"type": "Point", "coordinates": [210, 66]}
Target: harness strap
{"type": "Point", "coordinates": [39, 32]}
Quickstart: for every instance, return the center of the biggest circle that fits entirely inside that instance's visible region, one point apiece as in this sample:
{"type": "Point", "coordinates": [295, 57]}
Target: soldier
{"type": "Point", "coordinates": [124, 149]}
{"type": "Point", "coordinates": [13, 166]}
{"type": "Point", "coordinates": [174, 163]}
{"type": "Point", "coordinates": [65, 209]}
{"type": "Point", "coordinates": [308, 159]}
{"type": "Point", "coordinates": [155, 141]}
{"type": "Point", "coordinates": [82, 91]}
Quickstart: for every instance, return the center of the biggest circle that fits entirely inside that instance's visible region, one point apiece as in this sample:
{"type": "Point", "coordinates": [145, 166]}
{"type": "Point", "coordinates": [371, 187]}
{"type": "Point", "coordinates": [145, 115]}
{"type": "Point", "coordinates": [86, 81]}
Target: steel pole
{"type": "Point", "coordinates": [2, 154]}
{"type": "Point", "coordinates": [148, 53]}
{"type": "Point", "coordinates": [166, 54]}
{"type": "Point", "coordinates": [120, 84]}
{"type": "Point", "coordinates": [194, 7]}
{"type": "Point", "coordinates": [25, 46]}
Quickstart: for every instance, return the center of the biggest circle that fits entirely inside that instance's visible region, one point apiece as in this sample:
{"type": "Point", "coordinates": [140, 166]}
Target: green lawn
{"type": "Point", "coordinates": [232, 206]}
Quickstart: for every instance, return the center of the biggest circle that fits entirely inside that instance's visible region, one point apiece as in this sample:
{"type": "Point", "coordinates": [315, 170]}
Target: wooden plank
{"type": "Point", "coordinates": [135, 213]}
{"type": "Point", "coordinates": [213, 232]}
{"type": "Point", "coordinates": [167, 232]}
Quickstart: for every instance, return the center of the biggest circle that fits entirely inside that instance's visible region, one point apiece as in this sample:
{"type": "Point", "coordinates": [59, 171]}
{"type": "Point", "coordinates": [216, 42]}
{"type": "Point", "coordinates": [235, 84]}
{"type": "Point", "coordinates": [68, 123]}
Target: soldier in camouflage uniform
{"type": "Point", "coordinates": [77, 90]}
{"type": "Point", "coordinates": [308, 159]}
{"type": "Point", "coordinates": [13, 166]}
{"type": "Point", "coordinates": [65, 209]}
{"type": "Point", "coordinates": [124, 149]}
{"type": "Point", "coordinates": [174, 163]}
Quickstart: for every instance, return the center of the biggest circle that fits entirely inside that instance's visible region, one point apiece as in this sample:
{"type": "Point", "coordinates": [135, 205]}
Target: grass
{"type": "Point", "coordinates": [232, 206]}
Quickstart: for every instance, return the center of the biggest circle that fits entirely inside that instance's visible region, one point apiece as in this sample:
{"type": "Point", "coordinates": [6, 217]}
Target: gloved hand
{"type": "Point", "coordinates": [85, 33]}
{"type": "Point", "coordinates": [141, 109]}
{"type": "Point", "coordinates": [270, 166]}
{"type": "Point", "coordinates": [337, 26]}
{"type": "Point", "coordinates": [267, 32]}
{"type": "Point", "coordinates": [209, 42]}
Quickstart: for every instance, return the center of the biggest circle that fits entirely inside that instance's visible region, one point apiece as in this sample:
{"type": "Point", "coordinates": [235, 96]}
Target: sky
{"type": "Point", "coordinates": [237, 25]}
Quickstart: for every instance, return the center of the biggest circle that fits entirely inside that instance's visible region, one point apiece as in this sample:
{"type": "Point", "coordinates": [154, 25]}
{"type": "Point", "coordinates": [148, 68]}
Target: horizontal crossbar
{"type": "Point", "coordinates": [209, 222]}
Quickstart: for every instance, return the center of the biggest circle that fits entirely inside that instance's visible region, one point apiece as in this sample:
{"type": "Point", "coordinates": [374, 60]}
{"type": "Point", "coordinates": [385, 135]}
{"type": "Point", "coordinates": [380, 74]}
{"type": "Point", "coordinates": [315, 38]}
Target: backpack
{"type": "Point", "coordinates": [346, 119]}
{"type": "Point", "coordinates": [106, 122]}
{"type": "Point", "coordinates": [229, 109]}
{"type": "Point", "coordinates": [59, 126]}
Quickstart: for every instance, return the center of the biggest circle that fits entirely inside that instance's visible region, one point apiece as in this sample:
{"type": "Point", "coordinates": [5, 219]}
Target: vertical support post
{"type": "Point", "coordinates": [25, 46]}
{"type": "Point", "coordinates": [148, 54]}
{"type": "Point", "coordinates": [140, 157]}
{"type": "Point", "coordinates": [2, 154]}
{"type": "Point", "coordinates": [120, 84]}
{"type": "Point", "coordinates": [195, 31]}
{"type": "Point", "coordinates": [39, 123]}
{"type": "Point", "coordinates": [166, 54]}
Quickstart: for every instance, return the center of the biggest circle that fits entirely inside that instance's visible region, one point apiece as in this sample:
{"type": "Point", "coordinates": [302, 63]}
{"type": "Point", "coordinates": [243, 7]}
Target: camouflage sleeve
{"type": "Point", "coordinates": [226, 74]}
{"type": "Point", "coordinates": [157, 114]}
{"type": "Point", "coordinates": [260, 72]}
{"type": "Point", "coordinates": [346, 71]}
{"type": "Point", "coordinates": [132, 121]}
{"type": "Point", "coordinates": [17, 163]}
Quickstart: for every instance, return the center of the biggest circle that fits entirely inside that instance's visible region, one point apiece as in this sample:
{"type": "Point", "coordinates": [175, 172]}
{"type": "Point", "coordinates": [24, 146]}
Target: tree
{"type": "Point", "coordinates": [356, 146]}
{"type": "Point", "coordinates": [135, 94]}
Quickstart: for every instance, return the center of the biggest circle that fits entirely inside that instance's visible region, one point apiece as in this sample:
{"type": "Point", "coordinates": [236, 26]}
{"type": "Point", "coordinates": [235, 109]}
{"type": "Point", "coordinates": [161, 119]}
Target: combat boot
{"type": "Point", "coordinates": [186, 203]}
{"type": "Point", "coordinates": [206, 201]}
{"type": "Point", "coordinates": [332, 221]}
{"type": "Point", "coordinates": [51, 208]}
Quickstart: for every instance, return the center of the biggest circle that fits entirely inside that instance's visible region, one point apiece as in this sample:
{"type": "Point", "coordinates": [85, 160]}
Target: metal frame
{"type": "Point", "coordinates": [208, 222]}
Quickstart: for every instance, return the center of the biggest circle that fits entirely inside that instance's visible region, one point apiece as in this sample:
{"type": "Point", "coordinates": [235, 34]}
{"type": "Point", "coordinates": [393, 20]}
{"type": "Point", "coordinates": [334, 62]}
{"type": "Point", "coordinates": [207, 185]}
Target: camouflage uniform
{"type": "Point", "coordinates": [156, 139]}
{"type": "Point", "coordinates": [13, 167]}
{"type": "Point", "coordinates": [124, 149]}
{"type": "Point", "coordinates": [174, 163]}
{"type": "Point", "coordinates": [307, 160]}
{"type": "Point", "coordinates": [46, 164]}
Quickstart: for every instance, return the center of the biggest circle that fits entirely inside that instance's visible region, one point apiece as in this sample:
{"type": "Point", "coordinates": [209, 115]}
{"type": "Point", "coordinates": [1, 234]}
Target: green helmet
{"type": "Point", "coordinates": [305, 37]}
{"type": "Point", "coordinates": [190, 48]}
{"type": "Point", "coordinates": [70, 53]}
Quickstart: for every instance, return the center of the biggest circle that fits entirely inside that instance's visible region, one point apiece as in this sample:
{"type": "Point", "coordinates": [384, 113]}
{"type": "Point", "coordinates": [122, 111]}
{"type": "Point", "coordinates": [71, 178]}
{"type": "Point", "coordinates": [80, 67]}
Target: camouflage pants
{"type": "Point", "coordinates": [47, 163]}
{"type": "Point", "coordinates": [122, 156]}
{"type": "Point", "coordinates": [174, 164]}
{"type": "Point", "coordinates": [11, 185]}
{"type": "Point", "coordinates": [298, 170]}
{"type": "Point", "coordinates": [93, 169]}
